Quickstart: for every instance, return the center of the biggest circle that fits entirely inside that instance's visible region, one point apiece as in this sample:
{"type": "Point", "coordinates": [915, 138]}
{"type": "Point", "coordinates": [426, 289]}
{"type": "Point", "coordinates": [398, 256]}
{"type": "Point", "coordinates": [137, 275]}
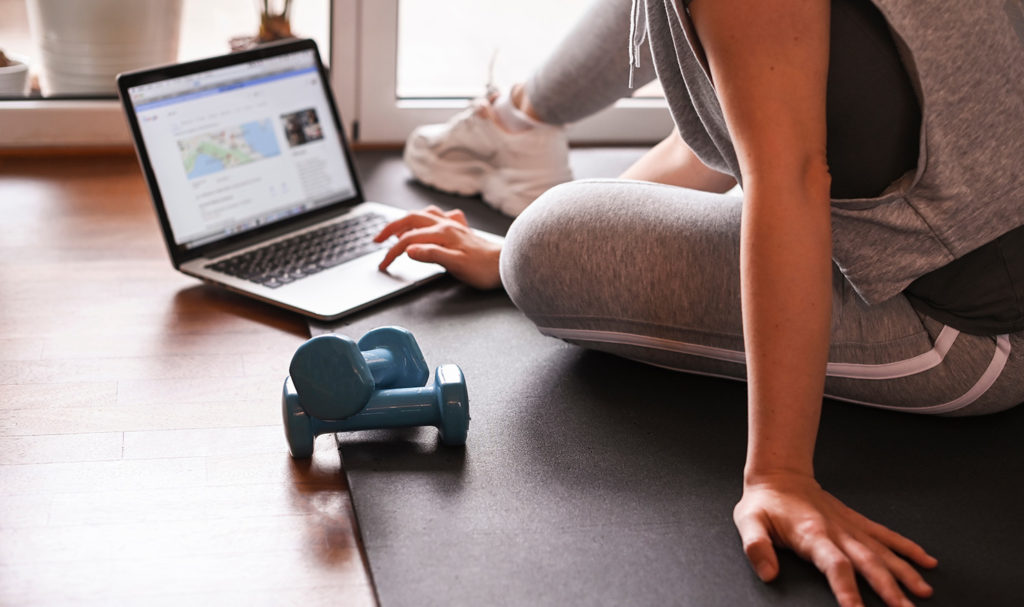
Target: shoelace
{"type": "Point", "coordinates": [492, 89]}
{"type": "Point", "coordinates": [637, 34]}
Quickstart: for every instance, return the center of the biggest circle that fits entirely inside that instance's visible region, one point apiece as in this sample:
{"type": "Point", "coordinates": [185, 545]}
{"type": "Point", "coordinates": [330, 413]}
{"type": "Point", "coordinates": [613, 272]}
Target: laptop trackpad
{"type": "Point", "coordinates": [354, 284]}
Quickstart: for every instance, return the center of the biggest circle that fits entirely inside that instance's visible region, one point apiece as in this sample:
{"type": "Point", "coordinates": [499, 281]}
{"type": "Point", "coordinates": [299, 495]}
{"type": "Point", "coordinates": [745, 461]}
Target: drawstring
{"type": "Point", "coordinates": [637, 35]}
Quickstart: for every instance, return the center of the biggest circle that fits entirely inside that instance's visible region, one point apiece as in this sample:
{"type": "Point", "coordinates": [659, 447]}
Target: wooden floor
{"type": "Point", "coordinates": [142, 459]}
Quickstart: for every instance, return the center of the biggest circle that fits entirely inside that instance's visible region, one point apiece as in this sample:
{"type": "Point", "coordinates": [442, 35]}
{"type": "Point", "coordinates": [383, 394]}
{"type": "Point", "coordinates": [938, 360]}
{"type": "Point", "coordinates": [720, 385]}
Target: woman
{"type": "Point", "coordinates": [875, 256]}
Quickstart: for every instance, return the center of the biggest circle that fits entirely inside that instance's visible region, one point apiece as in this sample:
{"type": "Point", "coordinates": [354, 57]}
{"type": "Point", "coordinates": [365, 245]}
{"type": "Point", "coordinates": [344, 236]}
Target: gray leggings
{"type": "Point", "coordinates": [589, 70]}
{"type": "Point", "coordinates": [651, 272]}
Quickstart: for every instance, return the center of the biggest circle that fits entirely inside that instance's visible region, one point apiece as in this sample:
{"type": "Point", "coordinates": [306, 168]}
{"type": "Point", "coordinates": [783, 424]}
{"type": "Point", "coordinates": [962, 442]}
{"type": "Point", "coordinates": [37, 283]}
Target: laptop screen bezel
{"type": "Point", "coordinates": [181, 253]}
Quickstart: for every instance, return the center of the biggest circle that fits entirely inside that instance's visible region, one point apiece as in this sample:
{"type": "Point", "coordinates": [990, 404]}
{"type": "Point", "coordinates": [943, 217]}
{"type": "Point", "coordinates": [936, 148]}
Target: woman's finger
{"type": "Point", "coordinates": [454, 214]}
{"type": "Point", "coordinates": [903, 571]}
{"type": "Point", "coordinates": [417, 236]}
{"type": "Point", "coordinates": [433, 253]}
{"type": "Point", "coordinates": [873, 567]}
{"type": "Point", "coordinates": [893, 540]}
{"type": "Point", "coordinates": [838, 568]}
{"type": "Point", "coordinates": [412, 221]}
{"type": "Point", "coordinates": [457, 215]}
{"type": "Point", "coordinates": [757, 545]}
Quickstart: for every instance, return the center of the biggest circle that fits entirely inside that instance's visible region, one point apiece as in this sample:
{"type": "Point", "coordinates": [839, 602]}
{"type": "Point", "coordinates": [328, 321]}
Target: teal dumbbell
{"type": "Point", "coordinates": [325, 366]}
{"type": "Point", "coordinates": [318, 398]}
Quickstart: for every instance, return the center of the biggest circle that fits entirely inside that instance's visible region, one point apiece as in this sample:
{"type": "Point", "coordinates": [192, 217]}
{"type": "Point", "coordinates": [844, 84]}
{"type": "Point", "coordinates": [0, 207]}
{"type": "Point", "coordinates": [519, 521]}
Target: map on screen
{"type": "Point", "coordinates": [219, 150]}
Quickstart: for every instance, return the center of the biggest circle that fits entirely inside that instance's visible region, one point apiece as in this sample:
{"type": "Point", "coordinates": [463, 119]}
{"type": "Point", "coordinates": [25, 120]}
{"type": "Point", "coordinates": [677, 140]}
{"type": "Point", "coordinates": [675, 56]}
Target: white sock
{"type": "Point", "coordinates": [511, 117]}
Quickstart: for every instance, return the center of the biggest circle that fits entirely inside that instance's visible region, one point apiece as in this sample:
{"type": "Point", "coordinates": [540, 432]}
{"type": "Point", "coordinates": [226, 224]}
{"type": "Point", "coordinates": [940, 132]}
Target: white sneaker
{"type": "Point", "coordinates": [471, 154]}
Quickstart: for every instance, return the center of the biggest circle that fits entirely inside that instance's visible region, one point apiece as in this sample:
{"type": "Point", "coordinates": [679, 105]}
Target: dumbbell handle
{"type": "Point", "coordinates": [382, 365]}
{"type": "Point", "coordinates": [396, 408]}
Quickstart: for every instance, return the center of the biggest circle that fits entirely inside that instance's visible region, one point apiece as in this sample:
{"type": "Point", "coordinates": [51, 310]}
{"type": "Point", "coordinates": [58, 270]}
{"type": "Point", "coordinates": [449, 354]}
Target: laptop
{"type": "Point", "coordinates": [253, 181]}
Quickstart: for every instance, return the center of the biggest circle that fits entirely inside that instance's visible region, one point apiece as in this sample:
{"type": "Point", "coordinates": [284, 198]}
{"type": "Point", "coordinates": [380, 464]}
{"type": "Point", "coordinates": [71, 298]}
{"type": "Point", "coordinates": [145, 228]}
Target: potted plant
{"type": "Point", "coordinates": [14, 81]}
{"type": "Point", "coordinates": [275, 24]}
{"type": "Point", "coordinates": [84, 44]}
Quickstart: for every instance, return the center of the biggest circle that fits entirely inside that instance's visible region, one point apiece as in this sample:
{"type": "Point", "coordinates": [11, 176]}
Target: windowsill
{"type": "Point", "coordinates": [46, 123]}
{"type": "Point", "coordinates": [50, 123]}
{"type": "Point", "coordinates": [462, 102]}
{"type": "Point", "coordinates": [651, 122]}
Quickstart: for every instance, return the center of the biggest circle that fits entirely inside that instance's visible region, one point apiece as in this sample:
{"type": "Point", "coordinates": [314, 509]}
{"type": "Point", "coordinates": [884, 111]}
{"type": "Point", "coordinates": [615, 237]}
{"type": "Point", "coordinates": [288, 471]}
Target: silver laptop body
{"type": "Point", "coordinates": [245, 151]}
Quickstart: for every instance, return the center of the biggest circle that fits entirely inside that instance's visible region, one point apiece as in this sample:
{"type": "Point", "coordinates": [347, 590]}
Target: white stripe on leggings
{"type": "Point", "coordinates": [893, 370]}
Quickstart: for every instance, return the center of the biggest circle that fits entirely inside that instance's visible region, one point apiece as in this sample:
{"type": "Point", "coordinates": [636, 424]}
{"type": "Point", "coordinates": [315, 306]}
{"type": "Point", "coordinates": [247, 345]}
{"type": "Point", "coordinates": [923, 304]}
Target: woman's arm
{"type": "Point", "coordinates": [769, 63]}
{"type": "Point", "coordinates": [672, 162]}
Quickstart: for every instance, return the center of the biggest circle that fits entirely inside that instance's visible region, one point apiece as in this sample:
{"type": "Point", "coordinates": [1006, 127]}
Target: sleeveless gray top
{"type": "Point", "coordinates": [966, 62]}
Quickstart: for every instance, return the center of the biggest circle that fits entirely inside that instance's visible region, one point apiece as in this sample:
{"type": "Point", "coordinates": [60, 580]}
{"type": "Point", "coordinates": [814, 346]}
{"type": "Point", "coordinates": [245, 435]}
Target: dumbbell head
{"type": "Point", "coordinates": [453, 404]}
{"type": "Point", "coordinates": [298, 427]}
{"type": "Point", "coordinates": [407, 369]}
{"type": "Point", "coordinates": [331, 377]}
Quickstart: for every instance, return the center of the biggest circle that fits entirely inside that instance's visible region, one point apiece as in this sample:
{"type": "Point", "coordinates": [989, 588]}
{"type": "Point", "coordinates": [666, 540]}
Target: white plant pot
{"type": "Point", "coordinates": [84, 44]}
{"type": "Point", "coordinates": [14, 80]}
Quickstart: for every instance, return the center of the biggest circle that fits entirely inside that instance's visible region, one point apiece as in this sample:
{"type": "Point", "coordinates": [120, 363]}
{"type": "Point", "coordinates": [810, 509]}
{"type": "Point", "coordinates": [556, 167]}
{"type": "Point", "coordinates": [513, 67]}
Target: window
{"type": "Point", "coordinates": [73, 98]}
{"type": "Point", "coordinates": [419, 61]}
{"type": "Point", "coordinates": [446, 48]}
{"type": "Point", "coordinates": [77, 41]}
{"type": "Point", "coordinates": [395, 64]}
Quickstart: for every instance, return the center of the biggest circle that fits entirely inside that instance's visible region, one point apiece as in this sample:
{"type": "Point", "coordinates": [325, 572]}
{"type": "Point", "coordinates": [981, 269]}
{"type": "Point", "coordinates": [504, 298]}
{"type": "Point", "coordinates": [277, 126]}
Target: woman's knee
{"type": "Point", "coordinates": [538, 249]}
{"type": "Point", "coordinates": [620, 248]}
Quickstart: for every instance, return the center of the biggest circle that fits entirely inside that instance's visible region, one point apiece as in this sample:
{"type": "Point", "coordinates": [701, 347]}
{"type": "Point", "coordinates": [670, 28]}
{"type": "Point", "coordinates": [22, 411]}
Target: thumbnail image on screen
{"type": "Point", "coordinates": [302, 127]}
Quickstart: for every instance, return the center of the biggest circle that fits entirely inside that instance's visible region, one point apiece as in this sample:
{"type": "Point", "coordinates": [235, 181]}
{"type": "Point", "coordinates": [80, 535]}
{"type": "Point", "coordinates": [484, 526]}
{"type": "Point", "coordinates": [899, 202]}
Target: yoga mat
{"type": "Point", "coordinates": [592, 480]}
{"type": "Point", "coordinates": [589, 479]}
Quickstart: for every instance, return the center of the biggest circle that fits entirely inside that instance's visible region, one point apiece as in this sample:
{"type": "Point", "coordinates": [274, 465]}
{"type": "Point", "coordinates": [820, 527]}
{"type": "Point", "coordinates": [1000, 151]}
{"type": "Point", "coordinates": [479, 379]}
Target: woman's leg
{"type": "Point", "coordinates": [651, 273]}
{"type": "Point", "coordinates": [509, 155]}
{"type": "Point", "coordinates": [589, 70]}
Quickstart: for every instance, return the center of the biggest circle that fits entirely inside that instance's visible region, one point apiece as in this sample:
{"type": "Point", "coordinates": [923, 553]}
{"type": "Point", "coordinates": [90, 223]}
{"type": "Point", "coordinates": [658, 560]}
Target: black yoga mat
{"type": "Point", "coordinates": [593, 480]}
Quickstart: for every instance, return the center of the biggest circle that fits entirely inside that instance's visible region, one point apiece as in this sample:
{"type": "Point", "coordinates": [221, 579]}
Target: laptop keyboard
{"type": "Point", "coordinates": [288, 260]}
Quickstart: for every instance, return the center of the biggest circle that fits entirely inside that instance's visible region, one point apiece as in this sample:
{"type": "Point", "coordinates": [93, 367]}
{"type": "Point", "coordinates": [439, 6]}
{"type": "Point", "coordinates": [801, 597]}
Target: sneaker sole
{"type": "Point", "coordinates": [508, 190]}
{"type": "Point", "coordinates": [463, 178]}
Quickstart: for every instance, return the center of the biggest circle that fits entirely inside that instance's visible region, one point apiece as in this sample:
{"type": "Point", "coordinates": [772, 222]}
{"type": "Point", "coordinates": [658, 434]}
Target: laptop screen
{"type": "Point", "coordinates": [236, 148]}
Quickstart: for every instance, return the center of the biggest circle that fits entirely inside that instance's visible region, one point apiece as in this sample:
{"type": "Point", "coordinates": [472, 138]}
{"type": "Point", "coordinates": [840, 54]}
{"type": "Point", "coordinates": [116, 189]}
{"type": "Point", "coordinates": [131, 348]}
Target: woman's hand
{"type": "Point", "coordinates": [445, 238]}
{"type": "Point", "coordinates": [792, 510]}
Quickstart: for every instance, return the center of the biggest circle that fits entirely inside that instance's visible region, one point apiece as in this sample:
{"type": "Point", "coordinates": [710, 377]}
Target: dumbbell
{"type": "Point", "coordinates": [325, 367]}
{"type": "Point", "coordinates": [358, 406]}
